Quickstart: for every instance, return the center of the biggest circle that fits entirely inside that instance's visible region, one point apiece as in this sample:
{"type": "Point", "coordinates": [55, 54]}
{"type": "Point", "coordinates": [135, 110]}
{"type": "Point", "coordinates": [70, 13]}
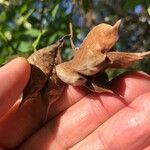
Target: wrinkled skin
{"type": "Point", "coordinates": [80, 119]}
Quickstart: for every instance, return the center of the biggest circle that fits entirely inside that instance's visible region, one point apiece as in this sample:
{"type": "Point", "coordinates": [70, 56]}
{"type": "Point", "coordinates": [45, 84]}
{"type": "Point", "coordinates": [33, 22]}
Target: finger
{"type": "Point", "coordinates": [76, 123]}
{"type": "Point", "coordinates": [71, 96]}
{"type": "Point", "coordinates": [147, 148]}
{"type": "Point", "coordinates": [128, 129]}
{"type": "Point", "coordinates": [16, 125]}
{"type": "Point", "coordinates": [105, 106]}
{"type": "Point", "coordinates": [13, 78]}
{"type": "Point", "coordinates": [128, 85]}
{"type": "Point", "coordinates": [131, 85]}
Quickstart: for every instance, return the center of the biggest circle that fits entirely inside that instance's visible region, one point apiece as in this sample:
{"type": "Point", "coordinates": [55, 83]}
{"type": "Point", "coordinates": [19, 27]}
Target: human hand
{"type": "Point", "coordinates": [79, 120]}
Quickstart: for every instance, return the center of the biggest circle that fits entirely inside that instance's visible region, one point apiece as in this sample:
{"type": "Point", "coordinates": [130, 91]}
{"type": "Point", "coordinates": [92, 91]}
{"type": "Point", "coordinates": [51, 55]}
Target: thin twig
{"type": "Point", "coordinates": [71, 37]}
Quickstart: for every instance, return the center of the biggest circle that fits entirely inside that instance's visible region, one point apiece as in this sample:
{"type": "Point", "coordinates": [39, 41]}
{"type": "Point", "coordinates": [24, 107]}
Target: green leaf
{"type": "Point", "coordinates": [148, 6]}
{"type": "Point", "coordinates": [36, 42]}
{"type": "Point", "coordinates": [23, 8]}
{"type": "Point", "coordinates": [54, 11]}
{"type": "Point", "coordinates": [148, 10]}
{"type": "Point", "coordinates": [23, 19]}
{"type": "Point", "coordinates": [2, 60]}
{"type": "Point", "coordinates": [32, 32]}
{"type": "Point", "coordinates": [25, 46]}
{"type": "Point", "coordinates": [86, 5]}
{"type": "Point", "coordinates": [114, 72]}
{"type": "Point", "coordinates": [130, 4]}
{"type": "Point", "coordinates": [3, 16]}
{"type": "Point", "coordinates": [28, 14]}
{"type": "Point", "coordinates": [148, 3]}
{"type": "Point", "coordinates": [3, 36]}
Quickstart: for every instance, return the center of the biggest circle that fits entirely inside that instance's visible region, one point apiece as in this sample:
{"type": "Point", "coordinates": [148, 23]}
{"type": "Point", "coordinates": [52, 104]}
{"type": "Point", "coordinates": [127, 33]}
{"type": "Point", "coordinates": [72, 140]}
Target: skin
{"type": "Point", "coordinates": [80, 119]}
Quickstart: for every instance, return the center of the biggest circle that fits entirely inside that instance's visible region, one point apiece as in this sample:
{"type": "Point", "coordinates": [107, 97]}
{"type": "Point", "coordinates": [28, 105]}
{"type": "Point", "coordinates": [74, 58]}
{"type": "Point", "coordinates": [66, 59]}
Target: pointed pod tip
{"type": "Point", "coordinates": [119, 21]}
{"type": "Point", "coordinates": [117, 24]}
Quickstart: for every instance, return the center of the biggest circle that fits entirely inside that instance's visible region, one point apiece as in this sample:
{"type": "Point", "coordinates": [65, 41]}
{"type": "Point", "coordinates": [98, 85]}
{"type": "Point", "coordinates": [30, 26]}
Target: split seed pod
{"type": "Point", "coordinates": [94, 56]}
{"type": "Point", "coordinates": [49, 74]}
{"type": "Point", "coordinates": [43, 83]}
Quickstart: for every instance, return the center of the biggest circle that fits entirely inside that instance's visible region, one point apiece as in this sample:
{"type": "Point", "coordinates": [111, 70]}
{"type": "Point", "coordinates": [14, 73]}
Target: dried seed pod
{"type": "Point", "coordinates": [90, 58]}
{"type": "Point", "coordinates": [98, 82]}
{"type": "Point", "coordinates": [124, 59]}
{"type": "Point", "coordinates": [94, 56]}
{"type": "Point", "coordinates": [43, 80]}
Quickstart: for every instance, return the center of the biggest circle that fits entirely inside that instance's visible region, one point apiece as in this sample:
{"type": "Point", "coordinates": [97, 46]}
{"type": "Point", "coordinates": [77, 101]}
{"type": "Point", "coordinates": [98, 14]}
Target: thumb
{"type": "Point", "coordinates": [13, 78]}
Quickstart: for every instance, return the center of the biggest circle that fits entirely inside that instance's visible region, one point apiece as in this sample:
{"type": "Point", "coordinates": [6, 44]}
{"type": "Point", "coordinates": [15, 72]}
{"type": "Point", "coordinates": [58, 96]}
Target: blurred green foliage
{"type": "Point", "coordinates": [26, 26]}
